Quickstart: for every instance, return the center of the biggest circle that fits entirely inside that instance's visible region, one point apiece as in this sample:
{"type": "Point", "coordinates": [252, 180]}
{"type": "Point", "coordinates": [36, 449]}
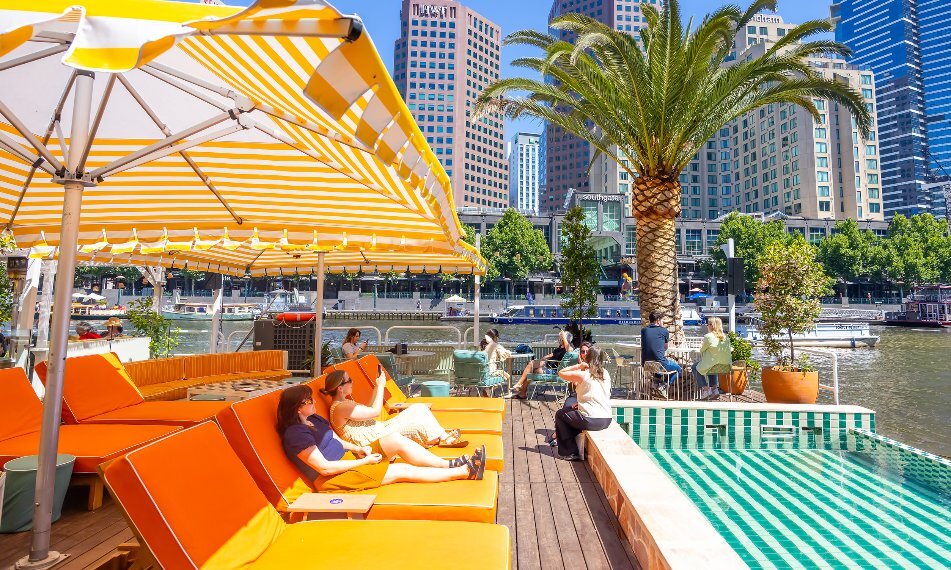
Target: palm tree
{"type": "Point", "coordinates": [652, 104]}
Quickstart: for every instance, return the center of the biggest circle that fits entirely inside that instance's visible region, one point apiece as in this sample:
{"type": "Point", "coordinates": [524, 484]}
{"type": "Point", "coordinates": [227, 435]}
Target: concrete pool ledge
{"type": "Point", "coordinates": [664, 528]}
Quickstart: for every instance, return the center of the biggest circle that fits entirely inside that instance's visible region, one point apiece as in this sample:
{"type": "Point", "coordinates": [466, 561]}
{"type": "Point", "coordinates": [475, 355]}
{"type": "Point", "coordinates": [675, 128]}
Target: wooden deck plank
{"type": "Point", "coordinates": [505, 514]}
{"type": "Point", "coordinates": [569, 539]}
{"type": "Point", "coordinates": [527, 554]}
{"type": "Point", "coordinates": [545, 531]}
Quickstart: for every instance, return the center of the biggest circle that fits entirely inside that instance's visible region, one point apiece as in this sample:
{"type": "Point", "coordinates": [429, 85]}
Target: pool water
{"type": "Point", "coordinates": [789, 507]}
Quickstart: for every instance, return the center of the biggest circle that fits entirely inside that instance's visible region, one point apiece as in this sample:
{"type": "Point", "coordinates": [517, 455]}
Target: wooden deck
{"type": "Point", "coordinates": [557, 513]}
{"type": "Point", "coordinates": [90, 538]}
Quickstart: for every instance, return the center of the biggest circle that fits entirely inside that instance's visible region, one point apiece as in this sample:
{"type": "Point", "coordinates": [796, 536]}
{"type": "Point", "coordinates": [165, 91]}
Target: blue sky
{"type": "Point", "coordinates": [381, 18]}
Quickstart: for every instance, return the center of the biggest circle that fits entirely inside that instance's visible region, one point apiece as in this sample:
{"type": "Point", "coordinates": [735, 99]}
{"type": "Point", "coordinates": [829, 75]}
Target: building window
{"type": "Point", "coordinates": [590, 214]}
{"type": "Point", "coordinates": [611, 220]}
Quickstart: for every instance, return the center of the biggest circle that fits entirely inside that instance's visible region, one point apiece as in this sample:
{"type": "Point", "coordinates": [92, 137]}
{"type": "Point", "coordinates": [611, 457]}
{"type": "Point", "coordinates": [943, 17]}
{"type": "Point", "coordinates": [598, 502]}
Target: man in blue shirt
{"type": "Point", "coordinates": [654, 341]}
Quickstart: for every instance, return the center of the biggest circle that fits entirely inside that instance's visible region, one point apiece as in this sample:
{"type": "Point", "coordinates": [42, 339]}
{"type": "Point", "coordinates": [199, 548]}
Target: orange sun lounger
{"type": "Point", "coordinates": [193, 505]}
{"type": "Point", "coordinates": [21, 415]}
{"type": "Point", "coordinates": [251, 428]}
{"type": "Point", "coordinates": [467, 421]}
{"type": "Point", "coordinates": [97, 390]}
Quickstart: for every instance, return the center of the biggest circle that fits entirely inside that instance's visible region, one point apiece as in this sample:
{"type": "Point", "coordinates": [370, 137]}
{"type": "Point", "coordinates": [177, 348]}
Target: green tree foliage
{"type": "Point", "coordinates": [751, 238]}
{"type": "Point", "coordinates": [847, 254]}
{"type": "Point", "coordinates": [578, 267]}
{"type": "Point", "coordinates": [790, 285]}
{"type": "Point", "coordinates": [6, 295]}
{"type": "Point", "coordinates": [514, 248]}
{"type": "Point", "coordinates": [150, 323]}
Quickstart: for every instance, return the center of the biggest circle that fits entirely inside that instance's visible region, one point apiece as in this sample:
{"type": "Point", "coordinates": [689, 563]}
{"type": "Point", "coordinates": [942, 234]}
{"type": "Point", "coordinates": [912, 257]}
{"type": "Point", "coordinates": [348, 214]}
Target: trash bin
{"type": "Point", "coordinates": [434, 389]}
{"type": "Point", "coordinates": [16, 514]}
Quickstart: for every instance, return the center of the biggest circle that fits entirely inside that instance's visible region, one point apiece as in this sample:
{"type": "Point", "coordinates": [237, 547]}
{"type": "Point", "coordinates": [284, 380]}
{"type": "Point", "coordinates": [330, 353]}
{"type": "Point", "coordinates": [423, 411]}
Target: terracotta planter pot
{"type": "Point", "coordinates": [740, 381]}
{"type": "Point", "coordinates": [790, 387]}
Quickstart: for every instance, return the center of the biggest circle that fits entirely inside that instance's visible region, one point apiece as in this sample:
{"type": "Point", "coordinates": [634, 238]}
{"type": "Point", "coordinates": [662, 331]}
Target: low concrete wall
{"type": "Point", "coordinates": [664, 528]}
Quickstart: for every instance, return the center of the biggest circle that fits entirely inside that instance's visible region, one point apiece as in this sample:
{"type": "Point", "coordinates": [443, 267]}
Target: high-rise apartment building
{"type": "Point", "coordinates": [524, 172]}
{"type": "Point", "coordinates": [445, 56]}
{"type": "Point", "coordinates": [566, 156]}
{"type": "Point", "coordinates": [907, 45]}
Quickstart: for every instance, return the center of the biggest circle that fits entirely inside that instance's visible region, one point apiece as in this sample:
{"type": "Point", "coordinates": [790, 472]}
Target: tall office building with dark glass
{"type": "Point", "coordinates": [907, 45]}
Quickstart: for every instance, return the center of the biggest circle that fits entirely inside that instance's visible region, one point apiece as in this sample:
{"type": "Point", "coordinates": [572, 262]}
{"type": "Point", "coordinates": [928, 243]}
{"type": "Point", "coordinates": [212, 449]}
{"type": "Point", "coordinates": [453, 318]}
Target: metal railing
{"type": "Point", "coordinates": [386, 338]}
{"type": "Point", "coordinates": [379, 335]}
{"type": "Point", "coordinates": [247, 334]}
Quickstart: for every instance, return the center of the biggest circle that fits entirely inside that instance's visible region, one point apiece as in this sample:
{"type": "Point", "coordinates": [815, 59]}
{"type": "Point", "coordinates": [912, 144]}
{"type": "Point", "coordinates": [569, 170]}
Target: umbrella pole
{"type": "Point", "coordinates": [216, 308]}
{"type": "Point", "coordinates": [476, 291]}
{"type": "Point", "coordinates": [40, 554]}
{"type": "Point", "coordinates": [319, 313]}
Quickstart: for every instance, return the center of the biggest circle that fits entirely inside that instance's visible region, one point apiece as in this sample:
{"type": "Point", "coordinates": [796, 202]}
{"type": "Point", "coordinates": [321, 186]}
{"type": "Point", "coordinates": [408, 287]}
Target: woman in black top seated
{"type": "Point", "coordinates": [552, 360]}
{"type": "Point", "coordinates": [335, 465]}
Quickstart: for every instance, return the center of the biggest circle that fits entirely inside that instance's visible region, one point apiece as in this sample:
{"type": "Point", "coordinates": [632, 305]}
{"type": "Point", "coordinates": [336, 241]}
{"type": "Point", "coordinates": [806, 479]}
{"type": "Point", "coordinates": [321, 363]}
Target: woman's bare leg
{"type": "Point", "coordinates": [398, 472]}
{"type": "Point", "coordinates": [411, 452]}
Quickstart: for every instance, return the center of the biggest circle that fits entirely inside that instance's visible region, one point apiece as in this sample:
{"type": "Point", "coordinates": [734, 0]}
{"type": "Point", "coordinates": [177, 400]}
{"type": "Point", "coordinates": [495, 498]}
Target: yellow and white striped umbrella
{"type": "Point", "coordinates": [229, 138]}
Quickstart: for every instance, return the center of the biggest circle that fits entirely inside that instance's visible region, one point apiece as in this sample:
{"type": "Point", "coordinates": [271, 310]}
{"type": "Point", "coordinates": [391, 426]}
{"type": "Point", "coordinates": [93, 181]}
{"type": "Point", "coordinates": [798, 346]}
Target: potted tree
{"type": "Point", "coordinates": [787, 296]}
{"type": "Point", "coordinates": [744, 366]}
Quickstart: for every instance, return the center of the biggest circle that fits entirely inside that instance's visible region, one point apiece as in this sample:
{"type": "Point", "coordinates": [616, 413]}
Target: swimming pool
{"type": "Point", "coordinates": [803, 489]}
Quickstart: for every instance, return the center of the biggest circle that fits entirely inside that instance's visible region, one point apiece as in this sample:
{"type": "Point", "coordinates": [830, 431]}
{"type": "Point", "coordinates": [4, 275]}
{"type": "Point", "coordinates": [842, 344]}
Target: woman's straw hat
{"type": "Point", "coordinates": [113, 322]}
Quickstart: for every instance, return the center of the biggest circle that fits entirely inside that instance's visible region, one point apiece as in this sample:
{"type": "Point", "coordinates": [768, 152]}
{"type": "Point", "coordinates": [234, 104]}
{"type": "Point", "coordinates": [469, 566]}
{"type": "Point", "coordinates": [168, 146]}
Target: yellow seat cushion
{"type": "Point", "coordinates": [461, 404]}
{"type": "Point", "coordinates": [396, 545]}
{"type": "Point", "coordinates": [473, 501]}
{"type": "Point", "coordinates": [471, 422]}
{"type": "Point", "coordinates": [495, 460]}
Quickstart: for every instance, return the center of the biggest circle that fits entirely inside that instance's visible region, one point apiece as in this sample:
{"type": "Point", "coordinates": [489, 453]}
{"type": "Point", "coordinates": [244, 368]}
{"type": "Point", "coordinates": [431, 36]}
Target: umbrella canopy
{"type": "Point", "coordinates": [455, 299]}
{"type": "Point", "coordinates": [266, 149]}
{"type": "Point", "coordinates": [93, 297]}
{"type": "Point", "coordinates": [246, 139]}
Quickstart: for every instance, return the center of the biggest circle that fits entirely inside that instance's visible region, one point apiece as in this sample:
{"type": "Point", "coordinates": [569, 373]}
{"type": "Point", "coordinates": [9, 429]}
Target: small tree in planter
{"type": "Point", "coordinates": [745, 367]}
{"type": "Point", "coordinates": [787, 296]}
{"type": "Point", "coordinates": [579, 270]}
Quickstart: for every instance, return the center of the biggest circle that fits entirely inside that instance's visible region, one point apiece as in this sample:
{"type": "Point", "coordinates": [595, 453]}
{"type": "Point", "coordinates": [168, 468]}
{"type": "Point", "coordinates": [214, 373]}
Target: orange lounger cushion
{"type": "Point", "coordinates": [20, 410]}
{"type": "Point", "coordinates": [93, 385]}
{"type": "Point", "coordinates": [216, 518]}
{"type": "Point", "coordinates": [91, 444]}
{"type": "Point", "coordinates": [471, 422]}
{"type": "Point", "coordinates": [473, 501]}
{"type": "Point", "coordinates": [183, 414]}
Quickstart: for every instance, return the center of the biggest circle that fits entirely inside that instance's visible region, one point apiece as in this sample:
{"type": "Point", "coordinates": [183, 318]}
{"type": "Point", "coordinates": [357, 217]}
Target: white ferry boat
{"type": "Point", "coordinates": [83, 312]}
{"type": "Point", "coordinates": [202, 312]}
{"type": "Point", "coordinates": [553, 315]}
{"type": "Point", "coordinates": [826, 335]}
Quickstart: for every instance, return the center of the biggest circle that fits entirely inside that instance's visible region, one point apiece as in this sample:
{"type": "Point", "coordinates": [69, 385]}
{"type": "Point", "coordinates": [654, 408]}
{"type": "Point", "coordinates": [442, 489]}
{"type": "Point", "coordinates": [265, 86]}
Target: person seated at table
{"type": "Point", "coordinates": [496, 353]}
{"type": "Point", "coordinates": [85, 331]}
{"type": "Point", "coordinates": [716, 355]}
{"type": "Point", "coordinates": [571, 399]}
{"type": "Point", "coordinates": [538, 366]}
{"type": "Point", "coordinates": [592, 410]}
{"type": "Point", "coordinates": [335, 465]}
{"type": "Point", "coordinates": [113, 328]}
{"type": "Point", "coordinates": [654, 341]}
{"type": "Point", "coordinates": [352, 347]}
{"type": "Point", "coordinates": [359, 424]}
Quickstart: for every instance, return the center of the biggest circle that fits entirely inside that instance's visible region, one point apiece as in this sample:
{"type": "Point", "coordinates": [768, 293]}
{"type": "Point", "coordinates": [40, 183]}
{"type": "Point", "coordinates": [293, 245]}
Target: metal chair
{"type": "Point", "coordinates": [471, 370]}
{"type": "Point", "coordinates": [336, 355]}
{"type": "Point", "coordinates": [406, 382]}
{"type": "Point", "coordinates": [653, 369]}
{"type": "Point", "coordinates": [551, 379]}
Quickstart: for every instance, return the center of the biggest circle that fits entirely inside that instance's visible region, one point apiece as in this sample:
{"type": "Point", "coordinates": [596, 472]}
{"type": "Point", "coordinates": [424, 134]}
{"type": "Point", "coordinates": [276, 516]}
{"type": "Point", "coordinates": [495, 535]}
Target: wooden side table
{"type": "Point", "coordinates": [352, 505]}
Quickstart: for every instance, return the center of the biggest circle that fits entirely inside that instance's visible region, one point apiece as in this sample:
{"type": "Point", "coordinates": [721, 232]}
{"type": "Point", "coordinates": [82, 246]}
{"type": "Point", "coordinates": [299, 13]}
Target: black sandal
{"type": "Point", "coordinates": [459, 461]}
{"type": "Point", "coordinates": [476, 465]}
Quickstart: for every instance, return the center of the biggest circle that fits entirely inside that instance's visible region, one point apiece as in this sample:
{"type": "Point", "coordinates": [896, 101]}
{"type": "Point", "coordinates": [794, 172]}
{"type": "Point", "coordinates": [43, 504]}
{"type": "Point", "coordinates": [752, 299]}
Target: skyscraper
{"type": "Point", "coordinates": [523, 172]}
{"type": "Point", "coordinates": [445, 56]}
{"type": "Point", "coordinates": [906, 43]}
{"type": "Point", "coordinates": [567, 156]}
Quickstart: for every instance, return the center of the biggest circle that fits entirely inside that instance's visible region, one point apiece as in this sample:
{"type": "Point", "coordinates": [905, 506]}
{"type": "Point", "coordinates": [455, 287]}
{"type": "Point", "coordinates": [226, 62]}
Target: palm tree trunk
{"type": "Point", "coordinates": [656, 205]}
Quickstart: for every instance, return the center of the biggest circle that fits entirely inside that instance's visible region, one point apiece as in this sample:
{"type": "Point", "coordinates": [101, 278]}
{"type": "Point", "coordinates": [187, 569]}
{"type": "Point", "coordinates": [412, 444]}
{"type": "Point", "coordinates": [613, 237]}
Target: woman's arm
{"type": "Point", "coordinates": [359, 451]}
{"type": "Point", "coordinates": [352, 410]}
{"type": "Point", "coordinates": [313, 457]}
{"type": "Point", "coordinates": [574, 374]}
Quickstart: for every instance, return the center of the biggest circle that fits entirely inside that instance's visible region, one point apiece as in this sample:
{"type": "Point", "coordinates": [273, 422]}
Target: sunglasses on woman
{"type": "Point", "coordinates": [306, 402]}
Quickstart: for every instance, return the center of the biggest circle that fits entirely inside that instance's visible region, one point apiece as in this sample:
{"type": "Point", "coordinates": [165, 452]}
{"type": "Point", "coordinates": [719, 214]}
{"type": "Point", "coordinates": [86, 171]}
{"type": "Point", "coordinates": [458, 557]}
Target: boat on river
{"type": "Point", "coordinates": [203, 312]}
{"type": "Point", "coordinates": [825, 335]}
{"type": "Point", "coordinates": [82, 312]}
{"type": "Point", "coordinates": [927, 307]}
{"type": "Point", "coordinates": [553, 315]}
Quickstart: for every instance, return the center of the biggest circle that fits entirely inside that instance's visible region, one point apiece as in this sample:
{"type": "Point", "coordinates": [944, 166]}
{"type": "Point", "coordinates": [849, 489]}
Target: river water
{"type": "Point", "coordinates": [906, 378]}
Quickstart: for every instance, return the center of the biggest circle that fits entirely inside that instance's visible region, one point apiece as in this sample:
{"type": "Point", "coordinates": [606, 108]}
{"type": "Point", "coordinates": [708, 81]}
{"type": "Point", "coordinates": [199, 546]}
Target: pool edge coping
{"type": "Point", "coordinates": [664, 528]}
